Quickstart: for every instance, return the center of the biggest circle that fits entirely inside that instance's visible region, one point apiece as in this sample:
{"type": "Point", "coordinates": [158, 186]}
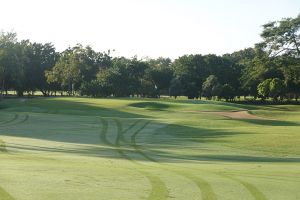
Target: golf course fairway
{"type": "Point", "coordinates": [128, 149]}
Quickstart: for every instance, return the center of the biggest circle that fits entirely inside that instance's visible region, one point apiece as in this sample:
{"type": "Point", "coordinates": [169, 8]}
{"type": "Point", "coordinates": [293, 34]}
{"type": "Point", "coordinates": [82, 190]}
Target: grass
{"type": "Point", "coordinates": [82, 148]}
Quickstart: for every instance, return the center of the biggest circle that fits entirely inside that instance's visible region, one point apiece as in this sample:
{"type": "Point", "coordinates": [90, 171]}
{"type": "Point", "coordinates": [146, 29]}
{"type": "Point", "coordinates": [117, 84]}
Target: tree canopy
{"type": "Point", "coordinates": [271, 69]}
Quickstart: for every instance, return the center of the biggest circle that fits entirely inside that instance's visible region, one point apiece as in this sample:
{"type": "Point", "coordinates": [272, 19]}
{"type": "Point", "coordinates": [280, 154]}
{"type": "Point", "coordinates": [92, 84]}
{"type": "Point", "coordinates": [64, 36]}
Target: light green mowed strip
{"type": "Point", "coordinates": [81, 148]}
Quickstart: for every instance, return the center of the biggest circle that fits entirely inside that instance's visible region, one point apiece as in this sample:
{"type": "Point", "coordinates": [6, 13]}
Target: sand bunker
{"type": "Point", "coordinates": [232, 114]}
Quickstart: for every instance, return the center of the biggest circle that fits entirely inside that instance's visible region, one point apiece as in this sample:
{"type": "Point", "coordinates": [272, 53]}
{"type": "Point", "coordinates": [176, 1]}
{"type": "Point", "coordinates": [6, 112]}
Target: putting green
{"type": "Point", "coordinates": [82, 148]}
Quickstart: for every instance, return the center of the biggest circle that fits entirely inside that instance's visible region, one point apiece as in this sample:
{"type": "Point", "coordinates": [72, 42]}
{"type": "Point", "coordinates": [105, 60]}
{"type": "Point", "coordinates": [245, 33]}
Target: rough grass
{"type": "Point", "coordinates": [81, 148]}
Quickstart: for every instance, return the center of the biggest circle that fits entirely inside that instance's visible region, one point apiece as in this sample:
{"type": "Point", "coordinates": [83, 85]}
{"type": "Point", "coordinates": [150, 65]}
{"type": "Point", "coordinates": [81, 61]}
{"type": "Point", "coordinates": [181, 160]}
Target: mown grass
{"type": "Point", "coordinates": [83, 148]}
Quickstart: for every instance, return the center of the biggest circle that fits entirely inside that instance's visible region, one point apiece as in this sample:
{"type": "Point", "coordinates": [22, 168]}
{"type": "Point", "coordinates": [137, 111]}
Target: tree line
{"type": "Point", "coordinates": [271, 69]}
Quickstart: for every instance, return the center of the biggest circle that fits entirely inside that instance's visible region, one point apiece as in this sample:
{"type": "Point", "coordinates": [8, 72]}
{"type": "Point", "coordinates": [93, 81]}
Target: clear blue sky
{"type": "Point", "coordinates": [153, 28]}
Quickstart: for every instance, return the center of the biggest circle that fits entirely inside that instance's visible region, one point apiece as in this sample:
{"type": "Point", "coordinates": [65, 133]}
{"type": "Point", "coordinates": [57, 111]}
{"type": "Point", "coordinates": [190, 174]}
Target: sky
{"type": "Point", "coordinates": [145, 28]}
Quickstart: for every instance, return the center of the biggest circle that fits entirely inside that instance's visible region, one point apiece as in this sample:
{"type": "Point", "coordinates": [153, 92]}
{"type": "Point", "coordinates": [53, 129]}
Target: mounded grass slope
{"type": "Point", "coordinates": [81, 148]}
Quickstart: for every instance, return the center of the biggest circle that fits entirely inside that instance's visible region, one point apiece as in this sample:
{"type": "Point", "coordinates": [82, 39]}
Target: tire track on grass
{"type": "Point", "coordinates": [22, 121]}
{"type": "Point", "coordinates": [15, 121]}
{"type": "Point", "coordinates": [120, 128]}
{"type": "Point", "coordinates": [204, 186]}
{"type": "Point", "coordinates": [256, 193]}
{"type": "Point", "coordinates": [10, 120]}
{"type": "Point", "coordinates": [131, 126]}
{"type": "Point", "coordinates": [207, 192]}
{"type": "Point", "coordinates": [117, 142]}
{"type": "Point", "coordinates": [136, 147]}
{"type": "Point", "coordinates": [5, 195]}
{"type": "Point", "coordinates": [158, 188]}
{"type": "Point", "coordinates": [103, 132]}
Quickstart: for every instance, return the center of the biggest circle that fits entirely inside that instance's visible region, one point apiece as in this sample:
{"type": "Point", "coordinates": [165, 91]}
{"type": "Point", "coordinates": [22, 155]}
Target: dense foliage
{"type": "Point", "coordinates": [269, 70]}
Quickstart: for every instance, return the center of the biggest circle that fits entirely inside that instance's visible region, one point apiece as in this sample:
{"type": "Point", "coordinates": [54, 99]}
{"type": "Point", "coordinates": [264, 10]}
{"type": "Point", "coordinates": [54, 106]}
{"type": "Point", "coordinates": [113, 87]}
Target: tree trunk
{"type": "Point", "coordinates": [69, 87]}
{"type": "Point", "coordinates": [44, 93]}
{"type": "Point", "coordinates": [20, 93]}
{"type": "Point", "coordinates": [2, 89]}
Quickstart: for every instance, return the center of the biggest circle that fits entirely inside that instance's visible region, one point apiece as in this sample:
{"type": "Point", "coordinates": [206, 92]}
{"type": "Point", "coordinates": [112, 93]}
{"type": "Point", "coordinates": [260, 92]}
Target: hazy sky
{"type": "Point", "coordinates": [153, 28]}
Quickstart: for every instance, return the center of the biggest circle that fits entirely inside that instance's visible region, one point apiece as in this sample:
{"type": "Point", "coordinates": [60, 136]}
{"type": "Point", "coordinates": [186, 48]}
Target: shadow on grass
{"type": "Point", "coordinates": [265, 122]}
{"type": "Point", "coordinates": [158, 156]}
{"type": "Point", "coordinates": [244, 158]}
{"type": "Point", "coordinates": [92, 144]}
{"type": "Point", "coordinates": [67, 107]}
{"type": "Point", "coordinates": [174, 136]}
{"type": "Point", "coordinates": [230, 158]}
{"type": "Point", "coordinates": [156, 148]}
{"type": "Point", "coordinates": [156, 106]}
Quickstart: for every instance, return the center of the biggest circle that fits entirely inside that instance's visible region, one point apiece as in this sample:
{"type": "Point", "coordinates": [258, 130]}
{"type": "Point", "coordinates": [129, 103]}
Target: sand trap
{"type": "Point", "coordinates": [232, 114]}
{"type": "Point", "coordinates": [237, 115]}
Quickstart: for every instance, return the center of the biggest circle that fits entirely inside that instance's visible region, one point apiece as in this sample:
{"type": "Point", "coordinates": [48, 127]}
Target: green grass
{"type": "Point", "coordinates": [82, 148]}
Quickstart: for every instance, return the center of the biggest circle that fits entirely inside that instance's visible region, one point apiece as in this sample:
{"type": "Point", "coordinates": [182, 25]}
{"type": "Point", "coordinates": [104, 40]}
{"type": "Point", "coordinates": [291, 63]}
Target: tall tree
{"type": "Point", "coordinates": [41, 57]}
{"type": "Point", "coordinates": [282, 37]}
{"type": "Point", "coordinates": [8, 59]}
{"type": "Point", "coordinates": [175, 88]}
{"type": "Point", "coordinates": [66, 71]}
{"type": "Point", "coordinates": [209, 85]}
{"type": "Point", "coordinates": [281, 40]}
{"type": "Point", "coordinates": [124, 77]}
{"type": "Point", "coordinates": [160, 73]}
{"type": "Point", "coordinates": [191, 71]}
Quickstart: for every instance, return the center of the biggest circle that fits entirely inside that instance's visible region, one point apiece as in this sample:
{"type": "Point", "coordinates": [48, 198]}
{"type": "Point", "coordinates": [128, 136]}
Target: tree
{"type": "Point", "coordinates": [52, 82]}
{"type": "Point", "coordinates": [260, 68]}
{"type": "Point", "coordinates": [241, 67]}
{"type": "Point", "coordinates": [148, 89]}
{"type": "Point", "coordinates": [209, 86]}
{"type": "Point", "coordinates": [39, 58]}
{"type": "Point", "coordinates": [282, 37]}
{"type": "Point", "coordinates": [224, 68]}
{"type": "Point", "coordinates": [125, 76]}
{"type": "Point", "coordinates": [270, 69]}
{"type": "Point", "coordinates": [227, 92]}
{"type": "Point", "coordinates": [160, 73]}
{"type": "Point", "coordinates": [277, 88]}
{"type": "Point", "coordinates": [95, 88]}
{"type": "Point", "coordinates": [175, 88]}
{"type": "Point", "coordinates": [271, 88]}
{"type": "Point", "coordinates": [191, 71]}
{"type": "Point", "coordinates": [216, 91]}
{"type": "Point", "coordinates": [66, 71]}
{"type": "Point", "coordinates": [281, 40]}
{"type": "Point", "coordinates": [292, 80]}
{"type": "Point", "coordinates": [8, 59]}
{"type": "Point", "coordinates": [264, 89]}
